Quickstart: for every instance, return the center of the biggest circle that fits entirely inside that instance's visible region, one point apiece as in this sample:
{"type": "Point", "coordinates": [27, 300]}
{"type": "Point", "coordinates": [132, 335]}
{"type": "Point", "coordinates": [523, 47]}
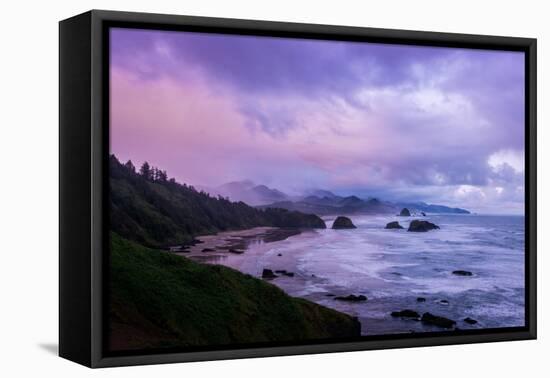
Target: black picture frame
{"type": "Point", "coordinates": [83, 196]}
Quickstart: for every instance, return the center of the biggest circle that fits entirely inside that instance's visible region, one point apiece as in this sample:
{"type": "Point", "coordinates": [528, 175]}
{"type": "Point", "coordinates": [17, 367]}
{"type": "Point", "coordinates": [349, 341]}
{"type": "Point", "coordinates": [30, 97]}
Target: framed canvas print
{"type": "Point", "coordinates": [233, 188]}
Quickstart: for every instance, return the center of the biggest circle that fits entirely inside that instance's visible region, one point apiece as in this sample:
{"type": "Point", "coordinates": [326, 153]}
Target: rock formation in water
{"type": "Point", "coordinates": [342, 223]}
{"type": "Point", "coordinates": [405, 314]}
{"type": "Point", "coordinates": [422, 226]}
{"type": "Point", "coordinates": [438, 321]}
{"type": "Point", "coordinates": [393, 225]}
{"type": "Point", "coordinates": [285, 273]}
{"type": "Point", "coordinates": [268, 274]}
{"type": "Point", "coordinates": [462, 273]}
{"type": "Point", "coordinates": [352, 298]}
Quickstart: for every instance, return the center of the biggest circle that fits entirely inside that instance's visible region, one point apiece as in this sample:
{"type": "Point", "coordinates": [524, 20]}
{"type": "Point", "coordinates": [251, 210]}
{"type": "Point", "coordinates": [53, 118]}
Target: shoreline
{"type": "Point", "coordinates": [375, 264]}
{"type": "Point", "coordinates": [259, 255]}
{"type": "Point", "coordinates": [183, 316]}
{"type": "Point", "coordinates": [235, 242]}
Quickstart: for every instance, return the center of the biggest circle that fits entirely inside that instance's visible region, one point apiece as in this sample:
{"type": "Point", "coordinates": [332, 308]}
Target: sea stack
{"type": "Point", "coordinates": [405, 212]}
{"type": "Point", "coordinates": [462, 273]}
{"type": "Point", "coordinates": [342, 223]}
{"type": "Point", "coordinates": [406, 314]}
{"type": "Point", "coordinates": [438, 321]}
{"type": "Point", "coordinates": [393, 225]}
{"type": "Point", "coordinates": [352, 298]}
{"type": "Point", "coordinates": [422, 226]}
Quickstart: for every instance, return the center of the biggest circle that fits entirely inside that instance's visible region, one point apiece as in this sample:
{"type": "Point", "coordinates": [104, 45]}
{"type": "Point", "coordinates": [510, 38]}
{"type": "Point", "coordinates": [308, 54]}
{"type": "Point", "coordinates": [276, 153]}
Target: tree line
{"type": "Point", "coordinates": [156, 211]}
{"type": "Point", "coordinates": [149, 173]}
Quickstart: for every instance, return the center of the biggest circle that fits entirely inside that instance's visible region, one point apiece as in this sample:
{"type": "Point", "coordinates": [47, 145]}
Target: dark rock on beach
{"type": "Point", "coordinates": [278, 254]}
{"type": "Point", "coordinates": [393, 225]}
{"type": "Point", "coordinates": [237, 251]}
{"type": "Point", "coordinates": [423, 213]}
{"type": "Point", "coordinates": [405, 212]}
{"type": "Point", "coordinates": [462, 273]}
{"type": "Point", "coordinates": [421, 299]}
{"type": "Point", "coordinates": [342, 223]}
{"type": "Point", "coordinates": [470, 321]}
{"type": "Point", "coordinates": [438, 321]}
{"type": "Point", "coordinates": [208, 250]}
{"type": "Point", "coordinates": [421, 226]}
{"type": "Point", "coordinates": [194, 242]}
{"type": "Point", "coordinates": [405, 314]}
{"type": "Point", "coordinates": [352, 298]}
{"type": "Point", "coordinates": [268, 273]}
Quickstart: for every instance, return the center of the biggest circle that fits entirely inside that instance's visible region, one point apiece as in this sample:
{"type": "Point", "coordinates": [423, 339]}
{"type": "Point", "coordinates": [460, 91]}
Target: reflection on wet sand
{"type": "Point", "coordinates": [214, 249]}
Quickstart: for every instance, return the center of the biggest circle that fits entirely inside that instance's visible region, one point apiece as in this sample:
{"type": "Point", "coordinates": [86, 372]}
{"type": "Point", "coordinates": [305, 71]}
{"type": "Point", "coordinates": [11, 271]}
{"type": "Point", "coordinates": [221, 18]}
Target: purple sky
{"type": "Point", "coordinates": [439, 125]}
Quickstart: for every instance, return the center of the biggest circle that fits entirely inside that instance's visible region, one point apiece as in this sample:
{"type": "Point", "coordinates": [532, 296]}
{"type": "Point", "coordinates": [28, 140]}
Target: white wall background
{"type": "Point", "coordinates": [28, 190]}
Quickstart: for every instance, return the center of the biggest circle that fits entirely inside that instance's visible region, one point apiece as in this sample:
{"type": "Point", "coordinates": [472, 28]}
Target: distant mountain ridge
{"type": "Point", "coordinates": [428, 208]}
{"type": "Point", "coordinates": [320, 201]}
{"type": "Point", "coordinates": [321, 193]}
{"type": "Point", "coordinates": [332, 204]}
{"type": "Point", "coordinates": [337, 205]}
{"type": "Point", "coordinates": [248, 192]}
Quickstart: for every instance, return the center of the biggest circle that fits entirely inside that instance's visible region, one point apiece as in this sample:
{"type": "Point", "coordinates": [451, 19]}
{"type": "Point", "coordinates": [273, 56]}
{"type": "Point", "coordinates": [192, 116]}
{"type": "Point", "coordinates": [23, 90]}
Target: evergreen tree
{"type": "Point", "coordinates": [162, 176]}
{"type": "Point", "coordinates": [145, 171]}
{"type": "Point", "coordinates": [130, 166]}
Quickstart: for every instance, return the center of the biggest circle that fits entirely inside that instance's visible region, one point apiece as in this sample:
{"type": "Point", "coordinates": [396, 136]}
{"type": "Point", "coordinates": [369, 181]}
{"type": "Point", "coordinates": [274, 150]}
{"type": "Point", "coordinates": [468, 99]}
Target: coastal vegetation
{"type": "Point", "coordinates": [153, 210]}
{"type": "Point", "coordinates": [161, 300]}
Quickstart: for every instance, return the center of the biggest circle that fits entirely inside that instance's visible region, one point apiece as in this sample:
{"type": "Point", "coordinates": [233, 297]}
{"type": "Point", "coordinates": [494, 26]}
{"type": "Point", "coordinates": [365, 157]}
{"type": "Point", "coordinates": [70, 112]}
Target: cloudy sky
{"type": "Point", "coordinates": [398, 122]}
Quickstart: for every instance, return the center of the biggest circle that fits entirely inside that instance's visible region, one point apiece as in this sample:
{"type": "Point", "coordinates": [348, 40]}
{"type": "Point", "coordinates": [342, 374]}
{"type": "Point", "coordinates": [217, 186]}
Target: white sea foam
{"type": "Point", "coordinates": [393, 267]}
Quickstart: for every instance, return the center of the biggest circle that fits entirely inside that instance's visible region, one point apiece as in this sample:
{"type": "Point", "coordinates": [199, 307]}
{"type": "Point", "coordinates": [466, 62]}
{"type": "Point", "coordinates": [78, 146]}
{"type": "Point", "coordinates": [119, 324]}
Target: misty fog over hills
{"type": "Point", "coordinates": [318, 201]}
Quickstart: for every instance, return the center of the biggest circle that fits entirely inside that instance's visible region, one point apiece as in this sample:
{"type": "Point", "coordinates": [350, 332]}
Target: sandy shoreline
{"type": "Point", "coordinates": [212, 248]}
{"type": "Point", "coordinates": [391, 268]}
{"type": "Point", "coordinates": [253, 250]}
{"type": "Point", "coordinates": [250, 251]}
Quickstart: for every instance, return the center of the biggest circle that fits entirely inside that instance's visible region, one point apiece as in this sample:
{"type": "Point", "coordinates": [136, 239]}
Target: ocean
{"type": "Point", "coordinates": [393, 268]}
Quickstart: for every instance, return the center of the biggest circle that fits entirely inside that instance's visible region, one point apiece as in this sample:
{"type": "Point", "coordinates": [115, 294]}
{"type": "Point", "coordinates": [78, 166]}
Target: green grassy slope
{"type": "Point", "coordinates": [162, 300]}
